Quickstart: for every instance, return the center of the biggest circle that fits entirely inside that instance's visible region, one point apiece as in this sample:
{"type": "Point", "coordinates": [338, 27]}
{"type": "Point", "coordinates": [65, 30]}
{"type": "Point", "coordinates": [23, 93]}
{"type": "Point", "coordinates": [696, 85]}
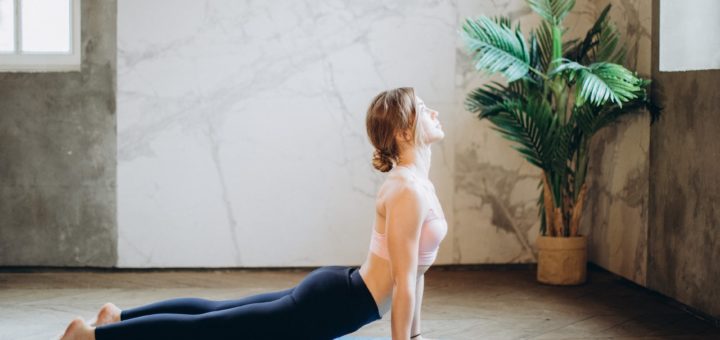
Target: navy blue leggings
{"type": "Point", "coordinates": [329, 302]}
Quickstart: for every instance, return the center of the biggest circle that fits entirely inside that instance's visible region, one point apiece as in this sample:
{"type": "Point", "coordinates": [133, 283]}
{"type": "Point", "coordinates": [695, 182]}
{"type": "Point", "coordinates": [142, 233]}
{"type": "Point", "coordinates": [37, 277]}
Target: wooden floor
{"type": "Point", "coordinates": [458, 304]}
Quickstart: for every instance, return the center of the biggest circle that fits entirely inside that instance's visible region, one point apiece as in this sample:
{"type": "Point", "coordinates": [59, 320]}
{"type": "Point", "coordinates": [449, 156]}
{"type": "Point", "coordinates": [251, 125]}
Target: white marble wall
{"type": "Point", "coordinates": [241, 125]}
{"type": "Point", "coordinates": [242, 139]}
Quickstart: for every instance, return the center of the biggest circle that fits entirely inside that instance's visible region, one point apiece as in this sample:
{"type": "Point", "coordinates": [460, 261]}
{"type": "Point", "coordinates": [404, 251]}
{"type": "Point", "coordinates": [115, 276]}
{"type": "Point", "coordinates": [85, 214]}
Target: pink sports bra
{"type": "Point", "coordinates": [433, 231]}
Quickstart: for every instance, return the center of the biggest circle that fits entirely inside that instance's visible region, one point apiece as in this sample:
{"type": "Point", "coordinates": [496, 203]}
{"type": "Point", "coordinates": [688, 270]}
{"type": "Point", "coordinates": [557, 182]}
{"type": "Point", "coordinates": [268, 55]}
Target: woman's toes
{"type": "Point", "coordinates": [74, 329]}
{"type": "Point", "coordinates": [93, 322]}
{"type": "Point", "coordinates": [109, 313]}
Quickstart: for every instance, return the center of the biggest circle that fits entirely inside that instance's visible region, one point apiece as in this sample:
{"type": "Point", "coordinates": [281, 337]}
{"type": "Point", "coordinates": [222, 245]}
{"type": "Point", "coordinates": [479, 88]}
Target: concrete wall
{"type": "Point", "coordinates": [615, 214]}
{"type": "Point", "coordinates": [57, 156]}
{"type": "Point", "coordinates": [683, 237]}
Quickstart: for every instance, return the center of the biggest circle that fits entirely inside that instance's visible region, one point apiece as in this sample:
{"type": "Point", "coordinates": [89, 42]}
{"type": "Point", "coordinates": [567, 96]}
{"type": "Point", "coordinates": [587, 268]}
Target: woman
{"type": "Point", "coordinates": [330, 301]}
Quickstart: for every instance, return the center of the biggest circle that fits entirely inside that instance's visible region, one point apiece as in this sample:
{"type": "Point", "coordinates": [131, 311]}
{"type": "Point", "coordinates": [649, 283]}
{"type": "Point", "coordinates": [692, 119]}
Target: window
{"type": "Point", "coordinates": [689, 38]}
{"type": "Point", "coordinates": [39, 35]}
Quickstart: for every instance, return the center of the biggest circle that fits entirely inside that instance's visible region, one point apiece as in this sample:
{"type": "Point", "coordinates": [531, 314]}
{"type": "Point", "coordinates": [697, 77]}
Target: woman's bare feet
{"type": "Point", "coordinates": [109, 313]}
{"type": "Point", "coordinates": [78, 330]}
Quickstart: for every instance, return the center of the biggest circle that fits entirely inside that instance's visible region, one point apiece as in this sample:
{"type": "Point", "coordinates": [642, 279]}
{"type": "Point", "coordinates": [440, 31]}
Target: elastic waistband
{"type": "Point", "coordinates": [368, 307]}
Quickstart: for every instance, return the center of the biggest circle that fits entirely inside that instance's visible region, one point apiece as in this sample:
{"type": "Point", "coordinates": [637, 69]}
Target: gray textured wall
{"type": "Point", "coordinates": [57, 156]}
{"type": "Point", "coordinates": [683, 237]}
{"type": "Point", "coordinates": [615, 213]}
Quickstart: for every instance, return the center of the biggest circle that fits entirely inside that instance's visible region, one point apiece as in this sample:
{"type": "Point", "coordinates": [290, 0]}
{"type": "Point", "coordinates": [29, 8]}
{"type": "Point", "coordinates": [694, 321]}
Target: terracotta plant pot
{"type": "Point", "coordinates": [562, 260]}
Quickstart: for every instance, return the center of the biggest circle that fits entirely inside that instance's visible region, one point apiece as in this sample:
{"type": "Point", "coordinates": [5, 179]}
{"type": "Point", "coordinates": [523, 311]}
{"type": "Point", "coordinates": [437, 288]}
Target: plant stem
{"type": "Point", "coordinates": [536, 71]}
{"type": "Point", "coordinates": [583, 157]}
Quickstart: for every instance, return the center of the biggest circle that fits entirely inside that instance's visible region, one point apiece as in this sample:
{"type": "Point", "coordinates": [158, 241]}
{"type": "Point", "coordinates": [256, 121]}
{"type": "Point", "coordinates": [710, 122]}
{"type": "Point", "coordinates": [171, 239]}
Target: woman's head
{"type": "Point", "coordinates": [392, 125]}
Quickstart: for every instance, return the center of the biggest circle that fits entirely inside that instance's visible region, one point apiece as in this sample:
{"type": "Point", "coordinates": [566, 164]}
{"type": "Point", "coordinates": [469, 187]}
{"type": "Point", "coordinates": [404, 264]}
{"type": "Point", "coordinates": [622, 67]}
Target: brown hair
{"type": "Point", "coordinates": [391, 112]}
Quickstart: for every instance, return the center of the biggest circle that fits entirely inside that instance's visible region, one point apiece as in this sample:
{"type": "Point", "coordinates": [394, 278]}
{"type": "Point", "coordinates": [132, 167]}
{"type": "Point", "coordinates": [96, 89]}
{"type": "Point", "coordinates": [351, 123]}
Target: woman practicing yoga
{"type": "Point", "coordinates": [330, 301]}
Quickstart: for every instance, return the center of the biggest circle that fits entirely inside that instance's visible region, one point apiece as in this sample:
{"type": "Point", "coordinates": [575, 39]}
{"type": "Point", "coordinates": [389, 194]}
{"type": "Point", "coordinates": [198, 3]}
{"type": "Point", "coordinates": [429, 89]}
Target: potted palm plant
{"type": "Point", "coordinates": [557, 96]}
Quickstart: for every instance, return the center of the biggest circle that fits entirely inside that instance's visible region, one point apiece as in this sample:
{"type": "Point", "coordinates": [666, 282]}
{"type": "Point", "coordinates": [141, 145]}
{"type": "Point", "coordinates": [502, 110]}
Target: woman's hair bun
{"type": "Point", "coordinates": [382, 160]}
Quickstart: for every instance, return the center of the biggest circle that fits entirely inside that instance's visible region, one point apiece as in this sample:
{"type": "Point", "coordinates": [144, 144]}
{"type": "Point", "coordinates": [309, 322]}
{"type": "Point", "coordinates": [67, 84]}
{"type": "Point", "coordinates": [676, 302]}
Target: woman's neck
{"type": "Point", "coordinates": [417, 160]}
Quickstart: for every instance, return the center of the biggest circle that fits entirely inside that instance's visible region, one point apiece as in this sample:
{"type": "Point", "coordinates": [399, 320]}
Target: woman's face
{"type": "Point", "coordinates": [429, 122]}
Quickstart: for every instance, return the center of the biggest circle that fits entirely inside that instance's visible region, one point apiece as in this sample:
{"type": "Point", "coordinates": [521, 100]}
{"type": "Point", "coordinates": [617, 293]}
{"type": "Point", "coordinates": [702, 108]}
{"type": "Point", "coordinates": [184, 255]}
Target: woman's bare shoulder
{"type": "Point", "coordinates": [405, 196]}
{"type": "Point", "coordinates": [397, 183]}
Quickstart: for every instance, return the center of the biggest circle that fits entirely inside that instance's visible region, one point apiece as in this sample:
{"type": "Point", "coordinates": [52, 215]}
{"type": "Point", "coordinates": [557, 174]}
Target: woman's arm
{"type": "Point", "coordinates": [415, 329]}
{"type": "Point", "coordinates": [404, 214]}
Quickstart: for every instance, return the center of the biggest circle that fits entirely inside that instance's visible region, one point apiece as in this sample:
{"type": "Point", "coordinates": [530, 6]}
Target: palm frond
{"type": "Point", "coordinates": [612, 114]}
{"type": "Point", "coordinates": [552, 10]}
{"type": "Point", "coordinates": [601, 82]}
{"type": "Point", "coordinates": [506, 106]}
{"type": "Point", "coordinates": [496, 47]}
{"type": "Point", "coordinates": [545, 76]}
{"type": "Point", "coordinates": [570, 46]}
{"type": "Point", "coordinates": [488, 100]}
{"type": "Point", "coordinates": [545, 44]}
{"type": "Point", "coordinates": [535, 56]}
{"type": "Point", "coordinates": [607, 43]}
{"type": "Point", "coordinates": [531, 124]}
{"type": "Point", "coordinates": [599, 44]}
{"type": "Point", "coordinates": [561, 149]}
{"type": "Point", "coordinates": [591, 119]}
{"type": "Point", "coordinates": [502, 21]}
{"type": "Point", "coordinates": [541, 209]}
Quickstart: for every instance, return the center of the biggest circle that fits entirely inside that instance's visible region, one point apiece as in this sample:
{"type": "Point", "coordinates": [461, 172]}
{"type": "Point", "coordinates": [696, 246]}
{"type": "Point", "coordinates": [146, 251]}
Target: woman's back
{"type": "Point", "coordinates": [376, 270]}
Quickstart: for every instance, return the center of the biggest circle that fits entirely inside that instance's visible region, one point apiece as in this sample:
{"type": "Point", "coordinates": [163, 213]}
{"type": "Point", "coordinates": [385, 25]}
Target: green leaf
{"type": "Point", "coordinates": [552, 10]}
{"type": "Point", "coordinates": [544, 35]}
{"type": "Point", "coordinates": [607, 43]}
{"type": "Point", "coordinates": [496, 47]}
{"type": "Point", "coordinates": [490, 99]}
{"type": "Point", "coordinates": [600, 43]}
{"type": "Point", "coordinates": [546, 73]}
{"type": "Point", "coordinates": [529, 122]}
{"type": "Point", "coordinates": [601, 82]}
{"type": "Point", "coordinates": [591, 119]}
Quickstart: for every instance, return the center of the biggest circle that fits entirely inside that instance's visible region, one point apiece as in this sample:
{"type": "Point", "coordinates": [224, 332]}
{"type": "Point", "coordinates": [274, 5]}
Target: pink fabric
{"type": "Point", "coordinates": [433, 231]}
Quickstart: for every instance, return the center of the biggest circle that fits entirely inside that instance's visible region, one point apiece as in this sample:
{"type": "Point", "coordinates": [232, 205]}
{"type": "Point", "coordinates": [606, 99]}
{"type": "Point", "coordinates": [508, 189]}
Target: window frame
{"type": "Point", "coordinates": [17, 61]}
